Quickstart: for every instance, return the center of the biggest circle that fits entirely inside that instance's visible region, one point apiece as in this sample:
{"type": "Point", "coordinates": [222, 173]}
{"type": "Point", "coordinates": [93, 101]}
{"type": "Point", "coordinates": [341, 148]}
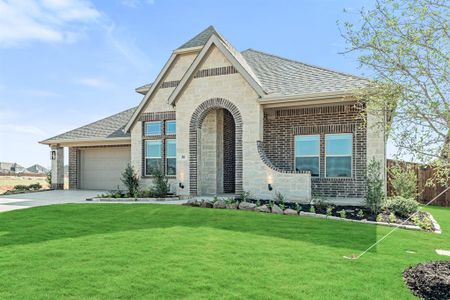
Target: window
{"type": "Point", "coordinates": [153, 158]}
{"type": "Point", "coordinates": [171, 157]}
{"type": "Point", "coordinates": [338, 150]}
{"type": "Point", "coordinates": [307, 152]}
{"type": "Point", "coordinates": [171, 127]}
{"type": "Point", "coordinates": [152, 128]}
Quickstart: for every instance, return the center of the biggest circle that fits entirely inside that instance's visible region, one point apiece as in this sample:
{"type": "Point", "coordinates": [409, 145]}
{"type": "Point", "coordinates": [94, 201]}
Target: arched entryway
{"type": "Point", "coordinates": [215, 148]}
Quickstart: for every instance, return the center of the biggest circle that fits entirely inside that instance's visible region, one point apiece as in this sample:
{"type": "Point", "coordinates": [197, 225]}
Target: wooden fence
{"type": "Point", "coordinates": [423, 173]}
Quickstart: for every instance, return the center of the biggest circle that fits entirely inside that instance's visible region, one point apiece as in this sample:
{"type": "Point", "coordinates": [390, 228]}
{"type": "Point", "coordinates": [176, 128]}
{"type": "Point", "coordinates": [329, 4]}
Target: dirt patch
{"type": "Point", "coordinates": [429, 280]}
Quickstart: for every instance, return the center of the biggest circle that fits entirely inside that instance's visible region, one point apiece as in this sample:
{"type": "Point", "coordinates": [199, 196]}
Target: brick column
{"type": "Point", "coordinates": [74, 155]}
{"type": "Point", "coordinates": [57, 168]}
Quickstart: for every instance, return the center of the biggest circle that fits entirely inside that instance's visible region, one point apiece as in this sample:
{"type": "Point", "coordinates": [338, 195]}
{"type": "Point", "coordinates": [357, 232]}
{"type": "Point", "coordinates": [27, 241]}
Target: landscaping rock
{"type": "Point", "coordinates": [290, 211]}
{"type": "Point", "coordinates": [207, 204]}
{"type": "Point", "coordinates": [263, 208]}
{"type": "Point", "coordinates": [231, 205]}
{"type": "Point", "coordinates": [429, 280]}
{"type": "Point", "coordinates": [220, 203]}
{"type": "Point", "coordinates": [193, 202]}
{"type": "Point", "coordinates": [247, 206]}
{"type": "Point", "coordinates": [277, 210]}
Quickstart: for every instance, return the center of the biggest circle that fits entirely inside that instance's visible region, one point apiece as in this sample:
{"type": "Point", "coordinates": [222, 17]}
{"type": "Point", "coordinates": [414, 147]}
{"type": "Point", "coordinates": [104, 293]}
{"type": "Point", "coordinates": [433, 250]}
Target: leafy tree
{"type": "Point", "coordinates": [131, 180]}
{"type": "Point", "coordinates": [406, 44]}
{"type": "Point", "coordinates": [403, 181]}
{"type": "Point", "coordinates": [375, 190]}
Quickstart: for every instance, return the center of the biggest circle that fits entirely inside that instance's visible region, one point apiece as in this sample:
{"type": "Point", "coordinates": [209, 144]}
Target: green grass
{"type": "Point", "coordinates": [106, 251]}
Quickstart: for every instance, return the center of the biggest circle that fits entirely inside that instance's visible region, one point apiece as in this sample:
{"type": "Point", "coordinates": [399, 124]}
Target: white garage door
{"type": "Point", "coordinates": [101, 168]}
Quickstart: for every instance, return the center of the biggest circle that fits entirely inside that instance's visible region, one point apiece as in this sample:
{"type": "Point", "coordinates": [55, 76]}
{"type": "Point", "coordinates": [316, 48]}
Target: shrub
{"type": "Point", "coordinates": [375, 191]}
{"type": "Point", "coordinates": [131, 180]}
{"type": "Point", "coordinates": [279, 198]}
{"type": "Point", "coordinates": [342, 213]}
{"type": "Point", "coordinates": [392, 218]}
{"type": "Point", "coordinates": [21, 187]}
{"type": "Point", "coordinates": [161, 186]}
{"type": "Point", "coordinates": [312, 209]}
{"type": "Point", "coordinates": [403, 207]}
{"type": "Point", "coordinates": [360, 214]}
{"type": "Point", "coordinates": [329, 210]}
{"type": "Point", "coordinates": [403, 181]}
{"type": "Point", "coordinates": [35, 186]}
{"type": "Point", "coordinates": [48, 178]}
{"type": "Point", "coordinates": [244, 196]}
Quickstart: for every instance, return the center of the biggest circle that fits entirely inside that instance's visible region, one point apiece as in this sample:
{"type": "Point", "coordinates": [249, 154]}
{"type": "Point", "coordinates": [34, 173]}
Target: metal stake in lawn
{"type": "Point", "coordinates": [398, 225]}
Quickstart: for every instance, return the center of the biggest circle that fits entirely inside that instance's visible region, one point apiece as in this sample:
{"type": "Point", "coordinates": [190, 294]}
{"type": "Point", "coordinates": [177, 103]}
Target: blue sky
{"type": "Point", "coordinates": [65, 63]}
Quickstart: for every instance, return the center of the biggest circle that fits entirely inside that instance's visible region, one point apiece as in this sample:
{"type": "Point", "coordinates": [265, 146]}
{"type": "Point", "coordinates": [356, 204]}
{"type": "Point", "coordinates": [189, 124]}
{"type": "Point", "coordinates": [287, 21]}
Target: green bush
{"type": "Point", "coordinates": [375, 190]}
{"type": "Point", "coordinates": [21, 187]}
{"type": "Point", "coordinates": [161, 186]}
{"type": "Point", "coordinates": [131, 180]}
{"type": "Point", "coordinates": [403, 181]}
{"type": "Point", "coordinates": [35, 187]}
{"type": "Point", "coordinates": [48, 178]}
{"type": "Point", "coordinates": [403, 207]}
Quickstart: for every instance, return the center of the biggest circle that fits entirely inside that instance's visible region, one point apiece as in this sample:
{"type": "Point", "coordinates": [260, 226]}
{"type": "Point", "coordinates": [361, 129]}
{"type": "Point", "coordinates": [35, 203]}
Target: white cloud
{"type": "Point", "coordinates": [43, 20]}
{"type": "Point", "coordinates": [94, 82]}
{"type": "Point", "coordinates": [136, 3]}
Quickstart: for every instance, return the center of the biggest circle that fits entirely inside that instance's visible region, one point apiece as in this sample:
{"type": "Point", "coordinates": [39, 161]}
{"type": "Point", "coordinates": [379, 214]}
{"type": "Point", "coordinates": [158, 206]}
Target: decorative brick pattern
{"type": "Point", "coordinates": [157, 116]}
{"type": "Point", "coordinates": [169, 84]}
{"type": "Point", "coordinates": [281, 125]}
{"type": "Point", "coordinates": [215, 72]}
{"type": "Point", "coordinates": [229, 145]}
{"type": "Point", "coordinates": [268, 162]}
{"type": "Point", "coordinates": [196, 123]}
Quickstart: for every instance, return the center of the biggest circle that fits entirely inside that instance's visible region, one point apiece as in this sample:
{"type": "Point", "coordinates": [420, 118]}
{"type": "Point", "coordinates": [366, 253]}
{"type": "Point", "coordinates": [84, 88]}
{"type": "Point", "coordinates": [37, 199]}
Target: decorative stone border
{"type": "Point", "coordinates": [197, 118]}
{"type": "Point", "coordinates": [437, 227]}
{"type": "Point", "coordinates": [98, 199]}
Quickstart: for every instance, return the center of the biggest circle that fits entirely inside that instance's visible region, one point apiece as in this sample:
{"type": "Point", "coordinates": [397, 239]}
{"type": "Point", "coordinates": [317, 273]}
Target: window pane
{"type": "Point", "coordinates": [153, 149]}
{"type": "Point", "coordinates": [171, 168]}
{"type": "Point", "coordinates": [308, 164]}
{"type": "Point", "coordinates": [339, 166]}
{"type": "Point", "coordinates": [171, 127]}
{"type": "Point", "coordinates": [307, 145]}
{"type": "Point", "coordinates": [171, 148]}
{"type": "Point", "coordinates": [338, 144]}
{"type": "Point", "coordinates": [153, 128]}
{"type": "Point", "coordinates": [152, 164]}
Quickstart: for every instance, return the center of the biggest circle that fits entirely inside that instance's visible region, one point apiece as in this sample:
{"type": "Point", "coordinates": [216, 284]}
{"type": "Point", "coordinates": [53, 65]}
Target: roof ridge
{"type": "Point", "coordinates": [89, 124]}
{"type": "Point", "coordinates": [306, 64]}
{"type": "Point", "coordinates": [210, 29]}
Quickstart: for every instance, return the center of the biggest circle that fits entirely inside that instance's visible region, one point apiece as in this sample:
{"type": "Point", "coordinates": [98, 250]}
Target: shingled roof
{"type": "Point", "coordinates": [110, 127]}
{"type": "Point", "coordinates": [200, 39]}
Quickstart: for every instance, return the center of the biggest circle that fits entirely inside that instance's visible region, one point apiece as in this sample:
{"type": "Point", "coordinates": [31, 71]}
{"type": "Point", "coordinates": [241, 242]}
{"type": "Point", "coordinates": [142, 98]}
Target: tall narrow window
{"type": "Point", "coordinates": [338, 150]}
{"type": "Point", "coordinates": [307, 153]}
{"type": "Point", "coordinates": [171, 127]}
{"type": "Point", "coordinates": [153, 159]}
{"type": "Point", "coordinates": [171, 157]}
{"type": "Point", "coordinates": [152, 128]}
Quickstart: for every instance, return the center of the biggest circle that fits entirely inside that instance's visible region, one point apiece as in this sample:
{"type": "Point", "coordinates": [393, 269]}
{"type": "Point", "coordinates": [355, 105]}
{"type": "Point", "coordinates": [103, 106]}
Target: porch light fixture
{"type": "Point", "coordinates": [181, 185]}
{"type": "Point", "coordinates": [269, 186]}
{"type": "Point", "coordinates": [53, 155]}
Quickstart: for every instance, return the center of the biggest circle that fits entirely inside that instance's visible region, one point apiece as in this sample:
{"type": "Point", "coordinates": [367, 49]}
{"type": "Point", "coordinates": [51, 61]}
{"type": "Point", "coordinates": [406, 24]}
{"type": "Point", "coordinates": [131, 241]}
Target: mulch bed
{"type": "Point", "coordinates": [429, 280]}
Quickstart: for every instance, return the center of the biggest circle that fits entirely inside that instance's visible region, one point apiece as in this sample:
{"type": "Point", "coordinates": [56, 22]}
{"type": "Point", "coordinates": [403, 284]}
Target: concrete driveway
{"type": "Point", "coordinates": [21, 201]}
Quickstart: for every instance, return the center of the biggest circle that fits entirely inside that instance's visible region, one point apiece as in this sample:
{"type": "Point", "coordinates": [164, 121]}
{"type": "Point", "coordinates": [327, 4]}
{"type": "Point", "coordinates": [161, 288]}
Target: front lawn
{"type": "Point", "coordinates": [165, 251]}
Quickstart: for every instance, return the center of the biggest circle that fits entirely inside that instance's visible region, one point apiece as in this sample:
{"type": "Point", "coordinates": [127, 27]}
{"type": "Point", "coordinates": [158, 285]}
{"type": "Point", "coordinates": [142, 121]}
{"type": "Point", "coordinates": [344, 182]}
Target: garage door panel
{"type": "Point", "coordinates": [101, 168]}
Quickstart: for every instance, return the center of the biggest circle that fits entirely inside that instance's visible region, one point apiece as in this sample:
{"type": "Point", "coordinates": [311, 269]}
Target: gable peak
{"type": "Point", "coordinates": [201, 38]}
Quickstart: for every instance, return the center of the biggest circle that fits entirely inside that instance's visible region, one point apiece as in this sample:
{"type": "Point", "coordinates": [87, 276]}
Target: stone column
{"type": "Point", "coordinates": [57, 167]}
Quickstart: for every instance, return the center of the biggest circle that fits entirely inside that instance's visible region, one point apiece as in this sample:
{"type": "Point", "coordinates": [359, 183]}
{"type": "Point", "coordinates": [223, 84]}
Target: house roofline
{"type": "Point", "coordinates": [276, 99]}
{"type": "Point", "coordinates": [85, 140]}
{"type": "Point", "coordinates": [187, 50]}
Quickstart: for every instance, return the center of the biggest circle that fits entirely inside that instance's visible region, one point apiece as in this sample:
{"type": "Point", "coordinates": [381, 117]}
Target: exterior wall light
{"type": "Point", "coordinates": [181, 185]}
{"type": "Point", "coordinates": [269, 186]}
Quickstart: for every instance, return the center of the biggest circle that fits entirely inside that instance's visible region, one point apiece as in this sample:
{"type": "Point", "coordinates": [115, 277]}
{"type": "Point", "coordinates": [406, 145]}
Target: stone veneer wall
{"type": "Point", "coordinates": [229, 146]}
{"type": "Point", "coordinates": [282, 124]}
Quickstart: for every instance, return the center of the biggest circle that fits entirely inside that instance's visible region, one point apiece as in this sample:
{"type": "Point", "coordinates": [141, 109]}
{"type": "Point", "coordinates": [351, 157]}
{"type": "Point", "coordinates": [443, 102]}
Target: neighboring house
{"type": "Point", "coordinates": [7, 167]}
{"type": "Point", "coordinates": [221, 121]}
{"type": "Point", "coordinates": [37, 169]}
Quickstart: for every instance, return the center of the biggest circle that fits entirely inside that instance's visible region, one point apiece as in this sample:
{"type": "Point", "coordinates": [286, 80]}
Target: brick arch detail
{"type": "Point", "coordinates": [197, 119]}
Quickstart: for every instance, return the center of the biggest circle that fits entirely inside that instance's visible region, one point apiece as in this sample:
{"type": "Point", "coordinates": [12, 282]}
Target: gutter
{"type": "Point", "coordinates": [277, 98]}
{"type": "Point", "coordinates": [71, 141]}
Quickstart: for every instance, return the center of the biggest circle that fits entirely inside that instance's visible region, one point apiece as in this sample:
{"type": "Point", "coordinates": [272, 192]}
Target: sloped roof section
{"type": "Point", "coordinates": [110, 127]}
{"type": "Point", "coordinates": [283, 76]}
{"type": "Point", "coordinates": [200, 39]}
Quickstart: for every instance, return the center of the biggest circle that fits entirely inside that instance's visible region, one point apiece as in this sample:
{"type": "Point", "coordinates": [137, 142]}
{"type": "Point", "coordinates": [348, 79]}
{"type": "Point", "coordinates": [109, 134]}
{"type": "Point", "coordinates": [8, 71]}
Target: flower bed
{"type": "Point", "coordinates": [422, 220]}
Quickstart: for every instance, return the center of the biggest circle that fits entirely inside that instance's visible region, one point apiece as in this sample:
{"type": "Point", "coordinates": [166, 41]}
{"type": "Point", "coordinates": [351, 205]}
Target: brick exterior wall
{"type": "Point", "coordinates": [229, 160]}
{"type": "Point", "coordinates": [282, 124]}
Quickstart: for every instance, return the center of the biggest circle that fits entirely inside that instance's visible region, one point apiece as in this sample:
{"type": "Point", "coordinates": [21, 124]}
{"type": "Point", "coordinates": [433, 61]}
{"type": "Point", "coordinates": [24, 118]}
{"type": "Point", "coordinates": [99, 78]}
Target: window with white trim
{"type": "Point", "coordinates": [171, 157]}
{"type": "Point", "coordinates": [153, 158]}
{"type": "Point", "coordinates": [338, 155]}
{"type": "Point", "coordinates": [152, 128]}
{"type": "Point", "coordinates": [307, 154]}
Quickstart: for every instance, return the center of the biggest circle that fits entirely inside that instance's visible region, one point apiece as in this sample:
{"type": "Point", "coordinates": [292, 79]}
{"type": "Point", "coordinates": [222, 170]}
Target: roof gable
{"type": "Point", "coordinates": [200, 39]}
{"type": "Point", "coordinates": [233, 56]}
